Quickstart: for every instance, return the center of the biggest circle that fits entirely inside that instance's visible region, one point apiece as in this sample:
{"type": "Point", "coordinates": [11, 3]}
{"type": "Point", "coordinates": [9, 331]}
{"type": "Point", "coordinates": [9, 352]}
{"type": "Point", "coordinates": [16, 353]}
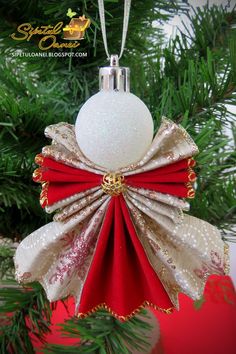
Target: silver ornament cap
{"type": "Point", "coordinates": [114, 77]}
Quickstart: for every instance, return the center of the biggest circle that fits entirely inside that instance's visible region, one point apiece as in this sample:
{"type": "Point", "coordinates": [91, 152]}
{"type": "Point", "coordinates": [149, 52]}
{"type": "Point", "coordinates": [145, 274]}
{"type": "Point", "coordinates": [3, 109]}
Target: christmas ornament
{"type": "Point", "coordinates": [120, 239]}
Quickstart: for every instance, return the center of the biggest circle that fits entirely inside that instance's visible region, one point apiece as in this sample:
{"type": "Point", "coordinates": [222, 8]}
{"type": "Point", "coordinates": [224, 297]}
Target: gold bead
{"type": "Point", "coordinates": [113, 184]}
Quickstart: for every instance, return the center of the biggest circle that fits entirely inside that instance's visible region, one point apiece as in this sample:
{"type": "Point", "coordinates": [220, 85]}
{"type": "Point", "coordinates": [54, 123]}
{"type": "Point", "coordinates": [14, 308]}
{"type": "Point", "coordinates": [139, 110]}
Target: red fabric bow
{"type": "Point", "coordinates": [60, 181]}
{"type": "Point", "coordinates": [120, 278]}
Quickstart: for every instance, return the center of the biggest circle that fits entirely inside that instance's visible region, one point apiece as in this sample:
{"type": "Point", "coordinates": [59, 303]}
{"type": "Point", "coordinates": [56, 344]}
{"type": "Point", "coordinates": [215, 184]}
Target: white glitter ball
{"type": "Point", "coordinates": [114, 129]}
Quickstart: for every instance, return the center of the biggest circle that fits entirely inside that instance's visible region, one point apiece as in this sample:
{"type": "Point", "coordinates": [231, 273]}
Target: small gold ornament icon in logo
{"type": "Point", "coordinates": [76, 28]}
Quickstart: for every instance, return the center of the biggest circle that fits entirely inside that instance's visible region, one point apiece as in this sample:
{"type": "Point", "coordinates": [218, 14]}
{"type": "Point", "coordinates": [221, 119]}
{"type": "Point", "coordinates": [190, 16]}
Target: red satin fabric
{"type": "Point", "coordinates": [120, 274]}
{"type": "Point", "coordinates": [65, 181]}
{"type": "Point", "coordinates": [170, 179]}
{"type": "Point", "coordinates": [59, 191]}
{"type": "Point", "coordinates": [173, 167]}
{"type": "Point", "coordinates": [177, 189]}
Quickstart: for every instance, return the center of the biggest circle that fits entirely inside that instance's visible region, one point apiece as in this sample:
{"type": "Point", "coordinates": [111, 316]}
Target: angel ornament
{"type": "Point", "coordinates": [120, 238]}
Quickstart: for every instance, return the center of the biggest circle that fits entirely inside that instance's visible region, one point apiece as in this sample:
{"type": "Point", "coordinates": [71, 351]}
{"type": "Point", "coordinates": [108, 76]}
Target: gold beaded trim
{"type": "Point", "coordinates": [191, 175]}
{"type": "Point", "coordinates": [191, 191]}
{"type": "Point", "coordinates": [103, 306]}
{"type": "Point", "coordinates": [37, 175]}
{"type": "Point", "coordinates": [44, 194]}
{"type": "Point", "coordinates": [113, 184]}
{"type": "Point", "coordinates": [191, 162]}
{"type": "Point", "coordinates": [39, 159]}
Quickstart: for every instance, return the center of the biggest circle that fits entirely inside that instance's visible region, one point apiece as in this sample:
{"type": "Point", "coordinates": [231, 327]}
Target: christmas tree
{"type": "Point", "coordinates": [190, 79]}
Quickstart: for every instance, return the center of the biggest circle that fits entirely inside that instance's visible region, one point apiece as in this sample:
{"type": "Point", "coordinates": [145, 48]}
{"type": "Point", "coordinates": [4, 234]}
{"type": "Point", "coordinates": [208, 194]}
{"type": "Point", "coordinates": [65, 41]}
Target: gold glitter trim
{"type": "Point", "coordinates": [44, 194]}
{"type": "Point", "coordinates": [103, 306]}
{"type": "Point", "coordinates": [185, 134]}
{"type": "Point", "coordinates": [191, 175]}
{"type": "Point", "coordinates": [191, 191]}
{"type": "Point", "coordinates": [113, 184]}
{"type": "Point", "coordinates": [39, 159]}
{"type": "Point", "coordinates": [37, 175]}
{"type": "Point", "coordinates": [191, 162]}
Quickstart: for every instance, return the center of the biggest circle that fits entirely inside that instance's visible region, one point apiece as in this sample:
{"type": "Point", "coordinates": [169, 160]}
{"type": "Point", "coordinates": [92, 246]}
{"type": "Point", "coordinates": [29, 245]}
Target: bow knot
{"type": "Point", "coordinates": [113, 184]}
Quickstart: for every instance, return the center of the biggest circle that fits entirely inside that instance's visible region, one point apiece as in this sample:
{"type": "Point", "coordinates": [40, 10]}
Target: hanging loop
{"type": "Point", "coordinates": [127, 4]}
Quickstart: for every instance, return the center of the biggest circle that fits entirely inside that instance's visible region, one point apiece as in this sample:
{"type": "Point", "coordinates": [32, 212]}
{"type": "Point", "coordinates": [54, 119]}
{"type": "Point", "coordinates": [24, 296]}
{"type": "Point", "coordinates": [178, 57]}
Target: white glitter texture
{"type": "Point", "coordinates": [114, 129]}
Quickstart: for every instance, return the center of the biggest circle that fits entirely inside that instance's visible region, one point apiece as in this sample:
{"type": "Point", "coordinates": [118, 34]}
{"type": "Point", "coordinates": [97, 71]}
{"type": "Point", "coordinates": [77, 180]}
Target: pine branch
{"type": "Point", "coordinates": [102, 333]}
{"type": "Point", "coordinates": [7, 250]}
{"type": "Point", "coordinates": [25, 314]}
